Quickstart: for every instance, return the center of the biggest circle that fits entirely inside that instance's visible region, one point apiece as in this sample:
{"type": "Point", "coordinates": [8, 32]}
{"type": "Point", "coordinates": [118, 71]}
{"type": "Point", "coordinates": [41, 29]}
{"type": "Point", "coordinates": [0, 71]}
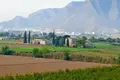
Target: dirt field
{"type": "Point", "coordinates": [22, 65]}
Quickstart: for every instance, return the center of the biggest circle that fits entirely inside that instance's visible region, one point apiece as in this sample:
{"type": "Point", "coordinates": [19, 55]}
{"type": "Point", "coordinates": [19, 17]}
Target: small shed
{"type": "Point", "coordinates": [38, 41]}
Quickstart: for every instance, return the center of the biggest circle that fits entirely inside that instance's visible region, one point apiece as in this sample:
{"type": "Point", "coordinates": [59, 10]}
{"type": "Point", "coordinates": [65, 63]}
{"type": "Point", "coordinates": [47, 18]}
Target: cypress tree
{"type": "Point", "coordinates": [53, 40]}
{"type": "Point", "coordinates": [66, 38]}
{"type": "Point", "coordinates": [56, 41]}
{"type": "Point", "coordinates": [61, 41]}
{"type": "Point", "coordinates": [25, 37]}
{"type": "Point", "coordinates": [29, 37]}
{"type": "Point", "coordinates": [67, 42]}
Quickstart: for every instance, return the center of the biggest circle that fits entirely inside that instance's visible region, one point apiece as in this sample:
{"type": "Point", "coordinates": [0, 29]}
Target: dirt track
{"type": "Point", "coordinates": [23, 65]}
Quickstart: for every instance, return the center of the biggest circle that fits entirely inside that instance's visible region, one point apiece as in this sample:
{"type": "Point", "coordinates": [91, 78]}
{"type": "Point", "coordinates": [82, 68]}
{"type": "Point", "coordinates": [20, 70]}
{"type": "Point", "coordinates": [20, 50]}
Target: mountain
{"type": "Point", "coordinates": [84, 16]}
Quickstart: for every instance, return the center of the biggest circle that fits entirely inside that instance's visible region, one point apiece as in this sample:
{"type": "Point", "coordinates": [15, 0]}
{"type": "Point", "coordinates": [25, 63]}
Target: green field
{"type": "Point", "coordinates": [7, 41]}
{"type": "Point", "coordinates": [106, 73]}
{"type": "Point", "coordinates": [102, 49]}
{"type": "Point", "coordinates": [103, 53]}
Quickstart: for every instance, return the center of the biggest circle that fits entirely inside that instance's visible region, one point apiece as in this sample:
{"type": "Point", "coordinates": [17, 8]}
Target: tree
{"type": "Point", "coordinates": [65, 37]}
{"type": "Point", "coordinates": [36, 52]}
{"type": "Point", "coordinates": [93, 39]}
{"type": "Point", "coordinates": [118, 40]}
{"type": "Point", "coordinates": [84, 38]}
{"type": "Point", "coordinates": [81, 42]}
{"type": "Point", "coordinates": [57, 41]}
{"type": "Point", "coordinates": [68, 42]}
{"type": "Point", "coordinates": [109, 39]}
{"type": "Point", "coordinates": [45, 35]}
{"type": "Point", "coordinates": [3, 34]}
{"type": "Point", "coordinates": [35, 36]}
{"type": "Point", "coordinates": [40, 53]}
{"type": "Point", "coordinates": [50, 35]}
{"type": "Point", "coordinates": [101, 39]}
{"type": "Point", "coordinates": [29, 37]}
{"type": "Point", "coordinates": [25, 37]}
{"type": "Point", "coordinates": [61, 42]}
{"type": "Point", "coordinates": [6, 51]}
{"type": "Point", "coordinates": [12, 35]}
{"type": "Point", "coordinates": [53, 38]}
{"type": "Point", "coordinates": [67, 55]}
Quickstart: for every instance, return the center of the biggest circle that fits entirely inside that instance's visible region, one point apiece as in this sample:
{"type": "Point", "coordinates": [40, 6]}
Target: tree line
{"type": "Point", "coordinates": [109, 39]}
{"type": "Point", "coordinates": [59, 40]}
{"type": "Point", "coordinates": [27, 39]}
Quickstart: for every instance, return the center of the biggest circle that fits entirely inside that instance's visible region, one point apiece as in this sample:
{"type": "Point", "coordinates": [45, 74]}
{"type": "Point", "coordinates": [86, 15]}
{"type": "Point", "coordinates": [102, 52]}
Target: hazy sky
{"type": "Point", "coordinates": [11, 8]}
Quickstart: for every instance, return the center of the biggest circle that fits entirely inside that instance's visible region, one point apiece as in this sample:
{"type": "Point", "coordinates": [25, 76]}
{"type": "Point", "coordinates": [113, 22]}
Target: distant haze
{"type": "Point", "coordinates": [82, 16]}
{"type": "Point", "coordinates": [11, 8]}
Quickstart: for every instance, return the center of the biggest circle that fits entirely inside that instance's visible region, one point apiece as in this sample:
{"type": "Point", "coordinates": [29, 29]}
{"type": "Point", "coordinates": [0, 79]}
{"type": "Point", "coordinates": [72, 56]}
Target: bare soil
{"type": "Point", "coordinates": [11, 65]}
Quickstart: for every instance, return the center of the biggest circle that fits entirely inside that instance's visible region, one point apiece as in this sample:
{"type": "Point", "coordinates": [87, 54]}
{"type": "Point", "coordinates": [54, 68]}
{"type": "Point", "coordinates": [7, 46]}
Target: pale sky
{"type": "Point", "coordinates": [11, 8]}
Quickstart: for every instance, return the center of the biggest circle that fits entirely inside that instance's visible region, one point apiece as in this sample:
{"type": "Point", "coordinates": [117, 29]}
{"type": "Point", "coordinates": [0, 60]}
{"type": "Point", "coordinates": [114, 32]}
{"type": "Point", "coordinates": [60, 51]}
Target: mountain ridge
{"type": "Point", "coordinates": [84, 16]}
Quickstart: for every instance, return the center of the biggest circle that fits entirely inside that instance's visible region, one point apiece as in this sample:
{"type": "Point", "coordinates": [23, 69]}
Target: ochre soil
{"type": "Point", "coordinates": [11, 65]}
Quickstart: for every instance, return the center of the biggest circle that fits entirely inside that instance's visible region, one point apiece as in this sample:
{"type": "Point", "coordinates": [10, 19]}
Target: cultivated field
{"type": "Point", "coordinates": [102, 49]}
{"type": "Point", "coordinates": [21, 65]}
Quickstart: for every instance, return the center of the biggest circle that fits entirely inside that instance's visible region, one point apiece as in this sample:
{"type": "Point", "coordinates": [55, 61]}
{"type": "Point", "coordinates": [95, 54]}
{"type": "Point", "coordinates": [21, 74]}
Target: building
{"type": "Point", "coordinates": [115, 35]}
{"type": "Point", "coordinates": [1, 38]}
{"type": "Point", "coordinates": [4, 38]}
{"type": "Point", "coordinates": [38, 41]}
{"type": "Point", "coordinates": [72, 42]}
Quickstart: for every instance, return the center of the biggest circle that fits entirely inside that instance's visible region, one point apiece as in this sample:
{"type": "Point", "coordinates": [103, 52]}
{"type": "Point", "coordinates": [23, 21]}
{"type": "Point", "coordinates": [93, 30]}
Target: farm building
{"type": "Point", "coordinates": [72, 42]}
{"type": "Point", "coordinates": [38, 41]}
{"type": "Point", "coordinates": [1, 38]}
{"type": "Point", "coordinates": [4, 38]}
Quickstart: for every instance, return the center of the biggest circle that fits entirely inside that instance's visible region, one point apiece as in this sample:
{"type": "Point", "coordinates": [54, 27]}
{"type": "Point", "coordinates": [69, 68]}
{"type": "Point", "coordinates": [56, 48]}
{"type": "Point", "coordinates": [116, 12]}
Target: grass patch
{"type": "Point", "coordinates": [105, 73]}
{"type": "Point", "coordinates": [7, 41]}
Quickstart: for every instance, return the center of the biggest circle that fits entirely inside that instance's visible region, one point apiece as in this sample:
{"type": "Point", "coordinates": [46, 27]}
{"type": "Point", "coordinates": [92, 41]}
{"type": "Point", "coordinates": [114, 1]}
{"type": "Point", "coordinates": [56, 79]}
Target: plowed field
{"type": "Point", "coordinates": [23, 65]}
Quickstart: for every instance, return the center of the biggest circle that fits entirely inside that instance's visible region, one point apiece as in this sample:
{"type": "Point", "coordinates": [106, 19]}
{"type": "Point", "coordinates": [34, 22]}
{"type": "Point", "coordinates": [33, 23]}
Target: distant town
{"type": "Point", "coordinates": [60, 32]}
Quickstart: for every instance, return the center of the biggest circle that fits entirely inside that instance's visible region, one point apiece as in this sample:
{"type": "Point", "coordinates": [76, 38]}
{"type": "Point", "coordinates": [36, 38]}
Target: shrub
{"type": "Point", "coordinates": [58, 55]}
{"type": "Point", "coordinates": [40, 53]}
{"type": "Point", "coordinates": [45, 50]}
{"type": "Point", "coordinates": [67, 55]}
{"type": "Point", "coordinates": [117, 60]}
{"type": "Point", "coordinates": [36, 52]}
{"type": "Point", "coordinates": [6, 51]}
{"type": "Point", "coordinates": [96, 59]}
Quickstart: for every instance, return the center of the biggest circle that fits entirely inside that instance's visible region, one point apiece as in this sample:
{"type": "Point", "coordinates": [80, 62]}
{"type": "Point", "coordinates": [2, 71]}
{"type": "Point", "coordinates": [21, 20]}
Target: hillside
{"type": "Point", "coordinates": [85, 16]}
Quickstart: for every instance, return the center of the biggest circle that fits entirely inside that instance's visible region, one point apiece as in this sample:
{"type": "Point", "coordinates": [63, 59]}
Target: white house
{"type": "Point", "coordinates": [72, 42]}
{"type": "Point", "coordinates": [38, 41]}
